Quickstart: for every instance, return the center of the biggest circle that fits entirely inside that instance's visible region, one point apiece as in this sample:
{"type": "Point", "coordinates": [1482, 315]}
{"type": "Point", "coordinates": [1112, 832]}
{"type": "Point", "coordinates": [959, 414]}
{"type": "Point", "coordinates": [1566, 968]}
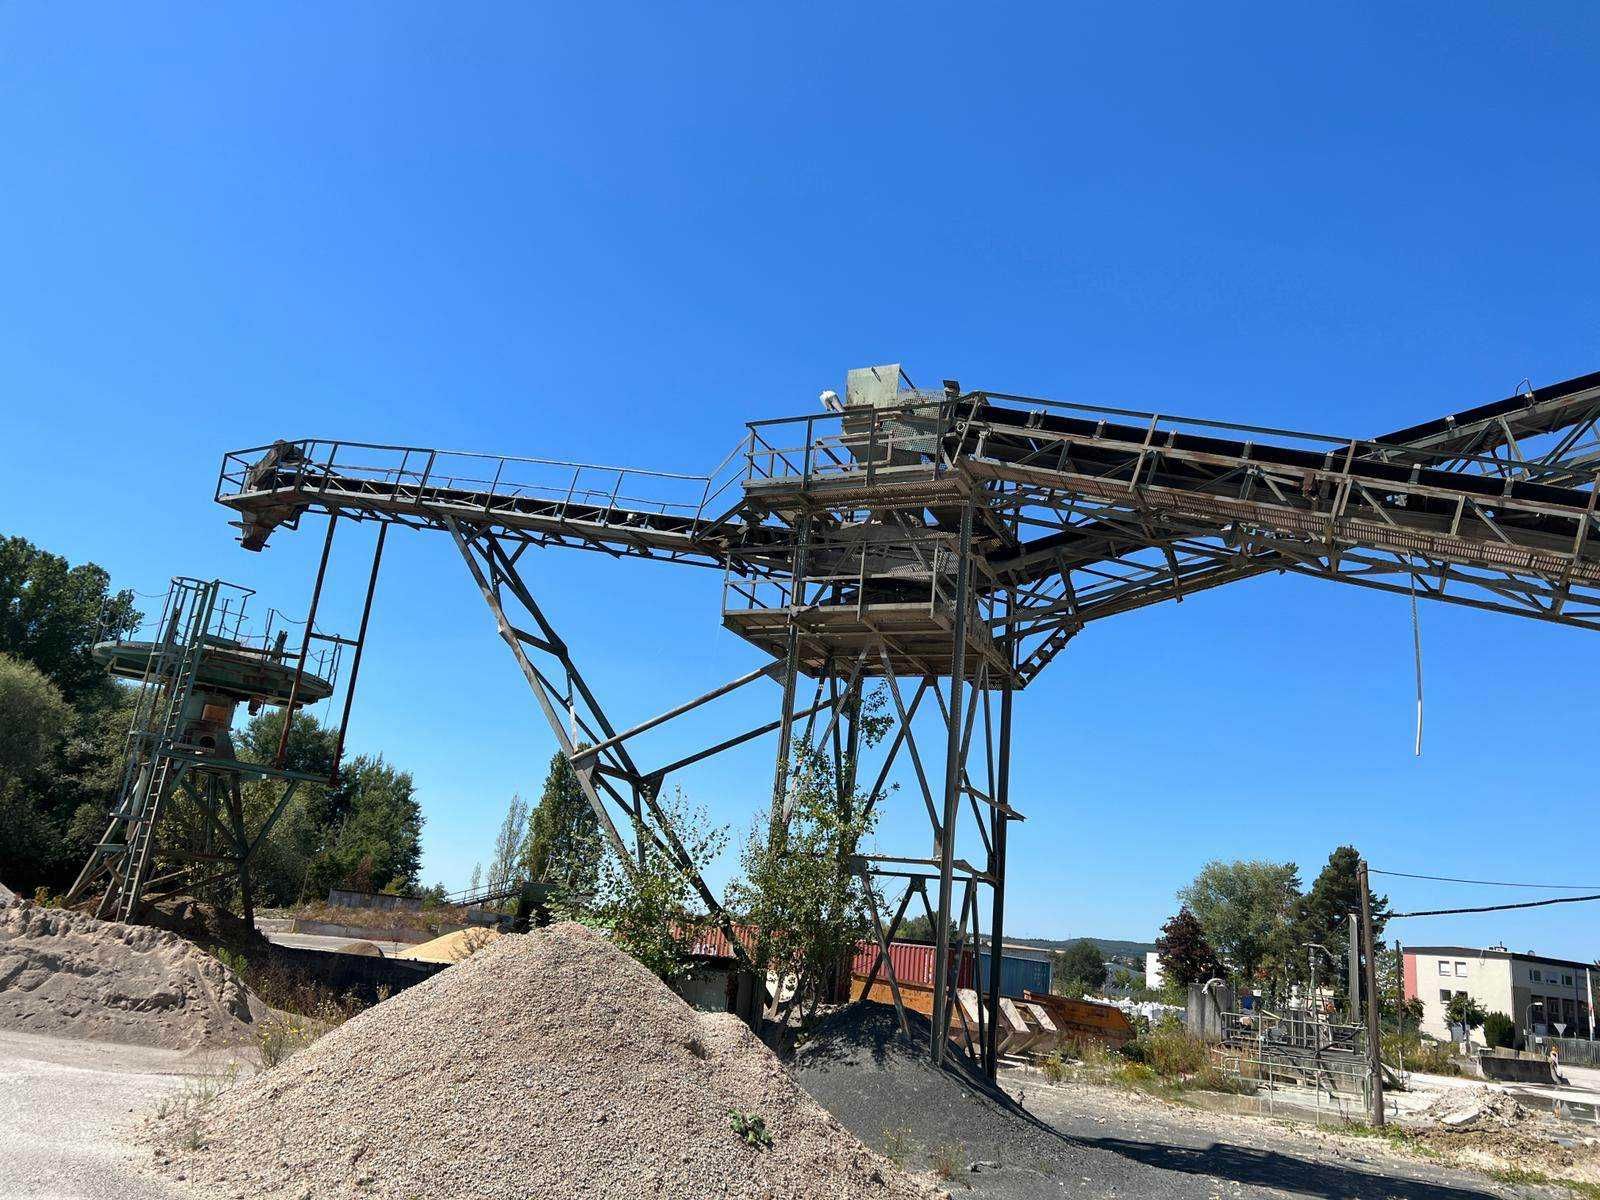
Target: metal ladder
{"type": "Point", "coordinates": [166, 686]}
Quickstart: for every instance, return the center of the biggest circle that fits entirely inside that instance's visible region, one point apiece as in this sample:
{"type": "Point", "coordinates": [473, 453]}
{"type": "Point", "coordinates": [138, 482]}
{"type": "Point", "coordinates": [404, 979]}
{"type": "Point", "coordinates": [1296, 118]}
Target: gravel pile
{"type": "Point", "coordinates": [887, 1092]}
{"type": "Point", "coordinates": [550, 1065]}
{"type": "Point", "coordinates": [69, 975]}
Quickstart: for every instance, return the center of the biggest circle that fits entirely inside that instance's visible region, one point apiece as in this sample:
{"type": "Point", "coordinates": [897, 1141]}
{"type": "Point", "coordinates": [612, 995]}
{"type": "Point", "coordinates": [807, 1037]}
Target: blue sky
{"type": "Point", "coordinates": [615, 233]}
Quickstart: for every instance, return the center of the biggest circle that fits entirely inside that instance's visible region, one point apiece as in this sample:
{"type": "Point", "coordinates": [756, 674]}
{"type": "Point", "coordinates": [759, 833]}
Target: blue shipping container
{"type": "Point", "coordinates": [1017, 974]}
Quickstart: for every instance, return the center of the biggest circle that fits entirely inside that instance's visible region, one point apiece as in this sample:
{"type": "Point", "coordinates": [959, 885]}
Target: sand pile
{"type": "Point", "coordinates": [67, 974]}
{"type": "Point", "coordinates": [549, 1065]}
{"type": "Point", "coordinates": [452, 947]}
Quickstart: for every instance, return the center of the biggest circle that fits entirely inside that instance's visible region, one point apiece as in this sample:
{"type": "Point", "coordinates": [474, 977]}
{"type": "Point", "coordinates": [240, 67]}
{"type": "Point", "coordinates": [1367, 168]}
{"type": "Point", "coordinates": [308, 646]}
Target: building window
{"type": "Point", "coordinates": [1444, 967]}
{"type": "Point", "coordinates": [1566, 980]}
{"type": "Point", "coordinates": [1533, 974]}
{"type": "Point", "coordinates": [1444, 995]}
{"type": "Point", "coordinates": [1461, 970]}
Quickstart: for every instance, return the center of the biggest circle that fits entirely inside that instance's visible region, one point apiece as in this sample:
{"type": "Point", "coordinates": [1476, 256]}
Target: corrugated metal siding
{"type": "Point", "coordinates": [913, 963]}
{"type": "Point", "coordinates": [1017, 974]}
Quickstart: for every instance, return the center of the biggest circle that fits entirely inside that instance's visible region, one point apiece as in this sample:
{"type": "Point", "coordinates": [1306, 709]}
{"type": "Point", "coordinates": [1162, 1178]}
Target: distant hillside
{"type": "Point", "coordinates": [1110, 947]}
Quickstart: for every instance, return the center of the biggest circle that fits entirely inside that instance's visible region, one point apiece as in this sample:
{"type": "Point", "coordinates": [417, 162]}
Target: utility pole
{"type": "Point", "coordinates": [1588, 981]}
{"type": "Point", "coordinates": [1353, 973]}
{"type": "Point", "coordinates": [1374, 1051]}
{"type": "Point", "coordinates": [1400, 1008]}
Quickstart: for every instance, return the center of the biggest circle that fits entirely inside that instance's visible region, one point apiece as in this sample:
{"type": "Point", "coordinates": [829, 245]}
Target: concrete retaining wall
{"type": "Point", "coordinates": [359, 974]}
{"type": "Point", "coordinates": [343, 899]}
{"type": "Point", "coordinates": [1514, 1068]}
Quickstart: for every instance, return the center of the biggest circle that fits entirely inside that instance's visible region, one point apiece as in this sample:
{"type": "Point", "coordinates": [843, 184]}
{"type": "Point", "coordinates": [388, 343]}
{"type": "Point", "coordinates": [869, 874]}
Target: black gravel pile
{"type": "Point", "coordinates": [884, 1089]}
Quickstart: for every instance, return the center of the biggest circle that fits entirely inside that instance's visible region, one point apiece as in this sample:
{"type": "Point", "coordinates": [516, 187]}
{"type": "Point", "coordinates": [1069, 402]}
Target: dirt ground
{"type": "Point", "coordinates": [1248, 1156]}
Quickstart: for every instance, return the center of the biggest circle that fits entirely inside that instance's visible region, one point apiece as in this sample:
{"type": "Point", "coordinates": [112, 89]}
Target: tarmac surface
{"type": "Point", "coordinates": [69, 1115]}
{"type": "Point", "coordinates": [346, 945]}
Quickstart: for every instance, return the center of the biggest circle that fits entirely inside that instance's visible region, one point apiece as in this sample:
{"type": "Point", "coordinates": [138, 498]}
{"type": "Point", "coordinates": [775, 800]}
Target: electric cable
{"type": "Point", "coordinates": [1552, 887]}
{"type": "Point", "coordinates": [1450, 912]}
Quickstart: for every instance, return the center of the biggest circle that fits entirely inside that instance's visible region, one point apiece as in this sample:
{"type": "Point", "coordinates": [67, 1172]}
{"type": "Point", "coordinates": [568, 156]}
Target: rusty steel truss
{"type": "Point", "coordinates": [942, 547]}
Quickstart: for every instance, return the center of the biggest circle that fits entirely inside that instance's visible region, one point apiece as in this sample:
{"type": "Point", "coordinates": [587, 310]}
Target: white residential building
{"type": "Point", "coordinates": [1542, 996]}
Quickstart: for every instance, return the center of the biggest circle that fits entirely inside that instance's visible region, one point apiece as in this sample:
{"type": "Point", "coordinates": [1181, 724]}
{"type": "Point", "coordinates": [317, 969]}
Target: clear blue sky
{"type": "Point", "coordinates": [616, 232]}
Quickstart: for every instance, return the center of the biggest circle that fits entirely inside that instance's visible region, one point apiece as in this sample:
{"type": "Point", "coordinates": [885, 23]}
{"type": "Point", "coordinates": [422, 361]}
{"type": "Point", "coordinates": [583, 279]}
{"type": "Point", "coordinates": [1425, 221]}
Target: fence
{"type": "Point", "coordinates": [1577, 1052]}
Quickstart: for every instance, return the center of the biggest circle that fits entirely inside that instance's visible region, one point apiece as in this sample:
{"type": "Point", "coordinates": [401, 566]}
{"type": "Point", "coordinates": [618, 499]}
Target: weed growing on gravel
{"type": "Point", "coordinates": [185, 1109]}
{"type": "Point", "coordinates": [751, 1128]}
{"type": "Point", "coordinates": [1055, 1070]}
{"type": "Point", "coordinates": [897, 1145]}
{"type": "Point", "coordinates": [279, 1037]}
{"type": "Point", "coordinates": [946, 1160]}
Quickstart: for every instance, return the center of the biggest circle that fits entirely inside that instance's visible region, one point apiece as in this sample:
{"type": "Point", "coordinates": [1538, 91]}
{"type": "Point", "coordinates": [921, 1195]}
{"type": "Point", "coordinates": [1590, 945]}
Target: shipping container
{"type": "Point", "coordinates": [1017, 975]}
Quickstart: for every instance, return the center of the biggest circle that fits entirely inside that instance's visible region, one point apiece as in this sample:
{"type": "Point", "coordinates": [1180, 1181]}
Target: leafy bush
{"type": "Point", "coordinates": [1434, 1058]}
{"type": "Point", "coordinates": [1210, 1079]}
{"type": "Point", "coordinates": [1499, 1030]}
{"type": "Point", "coordinates": [1174, 1052]}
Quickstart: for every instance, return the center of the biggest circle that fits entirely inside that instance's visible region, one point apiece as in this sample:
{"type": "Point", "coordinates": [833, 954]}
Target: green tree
{"type": "Point", "coordinates": [51, 615]}
{"type": "Point", "coordinates": [649, 905]}
{"type": "Point", "coordinates": [1325, 912]}
{"type": "Point", "coordinates": [1464, 1011]}
{"type": "Point", "coordinates": [1185, 954]}
{"type": "Point", "coordinates": [34, 720]}
{"type": "Point", "coordinates": [505, 868]}
{"type": "Point", "coordinates": [920, 929]}
{"type": "Point", "coordinates": [1248, 911]}
{"type": "Point", "coordinates": [282, 870]}
{"type": "Point", "coordinates": [378, 845]}
{"type": "Point", "coordinates": [1499, 1030]}
{"type": "Point", "coordinates": [809, 908]}
{"type": "Point", "coordinates": [563, 846]}
{"type": "Point", "coordinates": [1079, 968]}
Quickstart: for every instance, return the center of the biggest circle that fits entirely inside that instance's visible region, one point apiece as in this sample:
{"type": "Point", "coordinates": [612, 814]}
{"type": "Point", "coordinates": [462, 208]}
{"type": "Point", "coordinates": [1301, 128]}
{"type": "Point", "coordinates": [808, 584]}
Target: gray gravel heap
{"type": "Point", "coordinates": [885, 1089]}
{"type": "Point", "coordinates": [69, 975]}
{"type": "Point", "coordinates": [550, 1065]}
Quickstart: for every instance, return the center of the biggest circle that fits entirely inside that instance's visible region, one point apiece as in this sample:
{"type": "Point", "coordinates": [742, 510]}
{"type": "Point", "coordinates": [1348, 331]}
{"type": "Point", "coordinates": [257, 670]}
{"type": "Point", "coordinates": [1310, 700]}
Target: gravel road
{"type": "Point", "coordinates": [1138, 1147]}
{"type": "Point", "coordinates": [1032, 1141]}
{"type": "Point", "coordinates": [68, 1117]}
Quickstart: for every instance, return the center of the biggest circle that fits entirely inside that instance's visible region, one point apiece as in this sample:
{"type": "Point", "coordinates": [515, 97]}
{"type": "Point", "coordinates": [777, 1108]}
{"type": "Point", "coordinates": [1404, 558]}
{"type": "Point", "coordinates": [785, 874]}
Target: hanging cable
{"type": "Point", "coordinates": [1450, 912]}
{"type": "Point", "coordinates": [1549, 887]}
{"type": "Point", "coordinates": [1416, 648]}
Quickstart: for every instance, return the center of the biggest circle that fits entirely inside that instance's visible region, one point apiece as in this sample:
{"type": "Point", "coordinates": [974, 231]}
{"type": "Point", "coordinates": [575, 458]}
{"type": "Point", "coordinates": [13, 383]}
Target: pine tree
{"type": "Point", "coordinates": [563, 845]}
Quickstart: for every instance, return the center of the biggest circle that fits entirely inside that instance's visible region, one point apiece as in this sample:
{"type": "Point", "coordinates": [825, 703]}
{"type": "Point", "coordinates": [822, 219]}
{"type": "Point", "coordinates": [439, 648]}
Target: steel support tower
{"type": "Point", "coordinates": [180, 823]}
{"type": "Point", "coordinates": [944, 546]}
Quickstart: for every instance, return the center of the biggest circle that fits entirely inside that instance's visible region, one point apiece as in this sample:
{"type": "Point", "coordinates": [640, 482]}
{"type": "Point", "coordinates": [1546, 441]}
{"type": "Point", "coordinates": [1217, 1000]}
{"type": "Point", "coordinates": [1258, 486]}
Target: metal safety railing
{"type": "Point", "coordinates": [470, 480]}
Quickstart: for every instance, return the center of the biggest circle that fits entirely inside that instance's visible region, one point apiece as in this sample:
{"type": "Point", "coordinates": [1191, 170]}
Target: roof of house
{"type": "Point", "coordinates": [1479, 952]}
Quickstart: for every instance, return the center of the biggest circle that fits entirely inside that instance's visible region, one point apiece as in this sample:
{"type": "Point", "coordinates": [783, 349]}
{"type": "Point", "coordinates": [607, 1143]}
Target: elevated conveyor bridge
{"type": "Point", "coordinates": [949, 544]}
